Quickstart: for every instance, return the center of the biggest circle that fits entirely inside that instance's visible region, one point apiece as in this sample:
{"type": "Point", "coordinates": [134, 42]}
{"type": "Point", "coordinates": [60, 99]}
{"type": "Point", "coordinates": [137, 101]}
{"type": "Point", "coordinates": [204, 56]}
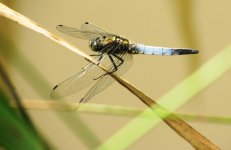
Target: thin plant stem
{"type": "Point", "coordinates": [103, 109]}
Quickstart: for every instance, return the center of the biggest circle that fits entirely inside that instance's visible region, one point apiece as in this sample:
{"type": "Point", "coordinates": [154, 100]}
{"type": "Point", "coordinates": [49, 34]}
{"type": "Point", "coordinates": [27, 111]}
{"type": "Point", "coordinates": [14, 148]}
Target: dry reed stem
{"type": "Point", "coordinates": [110, 110]}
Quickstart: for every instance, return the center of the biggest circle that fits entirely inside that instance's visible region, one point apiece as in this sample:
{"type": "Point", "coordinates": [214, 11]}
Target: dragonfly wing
{"type": "Point", "coordinates": [87, 31]}
{"type": "Point", "coordinates": [88, 27]}
{"type": "Point", "coordinates": [102, 84]}
{"type": "Point", "coordinates": [77, 81]}
{"type": "Point", "coordinates": [107, 80]}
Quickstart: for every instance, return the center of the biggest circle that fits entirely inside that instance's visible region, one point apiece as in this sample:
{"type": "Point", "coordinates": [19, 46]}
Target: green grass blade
{"type": "Point", "coordinates": [15, 132]}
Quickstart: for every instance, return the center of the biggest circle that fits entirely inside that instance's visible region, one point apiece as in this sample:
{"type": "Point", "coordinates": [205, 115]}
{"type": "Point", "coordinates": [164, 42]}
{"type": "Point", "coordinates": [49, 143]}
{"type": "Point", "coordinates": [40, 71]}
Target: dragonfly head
{"type": "Point", "coordinates": [96, 44]}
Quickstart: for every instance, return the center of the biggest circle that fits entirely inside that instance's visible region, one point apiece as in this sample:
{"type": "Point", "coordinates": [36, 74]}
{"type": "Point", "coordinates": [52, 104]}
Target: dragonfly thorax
{"type": "Point", "coordinates": [109, 44]}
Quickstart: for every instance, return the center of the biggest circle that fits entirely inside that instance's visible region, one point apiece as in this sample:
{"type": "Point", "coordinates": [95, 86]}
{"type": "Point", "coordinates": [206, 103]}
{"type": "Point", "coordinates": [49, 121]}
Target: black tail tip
{"type": "Point", "coordinates": [195, 51]}
{"type": "Point", "coordinates": [185, 51]}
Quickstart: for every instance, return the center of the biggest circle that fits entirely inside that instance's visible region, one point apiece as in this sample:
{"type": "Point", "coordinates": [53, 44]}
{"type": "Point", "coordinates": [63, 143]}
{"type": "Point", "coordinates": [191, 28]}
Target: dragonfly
{"type": "Point", "coordinates": [112, 51]}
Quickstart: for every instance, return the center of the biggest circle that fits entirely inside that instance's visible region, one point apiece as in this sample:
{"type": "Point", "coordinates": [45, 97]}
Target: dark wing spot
{"type": "Point", "coordinates": [60, 25]}
{"type": "Point", "coordinates": [86, 22]}
{"type": "Point", "coordinates": [55, 87]}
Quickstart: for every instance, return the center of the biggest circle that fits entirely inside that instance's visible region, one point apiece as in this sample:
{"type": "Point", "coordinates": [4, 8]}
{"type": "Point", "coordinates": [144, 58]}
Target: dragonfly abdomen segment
{"type": "Point", "coordinates": [154, 50]}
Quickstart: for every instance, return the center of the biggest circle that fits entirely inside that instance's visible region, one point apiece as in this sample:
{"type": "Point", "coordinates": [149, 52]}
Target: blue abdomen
{"type": "Point", "coordinates": [154, 50]}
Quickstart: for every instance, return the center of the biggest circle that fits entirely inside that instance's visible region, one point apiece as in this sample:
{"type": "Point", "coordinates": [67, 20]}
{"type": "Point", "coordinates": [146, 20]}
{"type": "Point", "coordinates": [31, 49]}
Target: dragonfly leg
{"type": "Point", "coordinates": [112, 47]}
{"type": "Point", "coordinates": [99, 58]}
{"type": "Point", "coordinates": [115, 67]}
{"type": "Point", "coordinates": [95, 54]}
{"type": "Point", "coordinates": [101, 76]}
{"type": "Point", "coordinates": [119, 58]}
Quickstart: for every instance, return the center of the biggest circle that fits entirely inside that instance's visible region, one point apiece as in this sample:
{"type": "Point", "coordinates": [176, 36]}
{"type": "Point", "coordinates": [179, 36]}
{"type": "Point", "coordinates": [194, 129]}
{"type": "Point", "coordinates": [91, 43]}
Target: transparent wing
{"type": "Point", "coordinates": [107, 80]}
{"type": "Point", "coordinates": [77, 81]}
{"type": "Point", "coordinates": [87, 31]}
{"type": "Point", "coordinates": [89, 75]}
{"type": "Point", "coordinates": [92, 28]}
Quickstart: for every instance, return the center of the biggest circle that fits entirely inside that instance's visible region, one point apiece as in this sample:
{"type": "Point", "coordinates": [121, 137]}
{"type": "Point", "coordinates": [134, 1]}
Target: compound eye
{"type": "Point", "coordinates": [92, 43]}
{"type": "Point", "coordinates": [95, 44]}
{"type": "Point", "coordinates": [104, 36]}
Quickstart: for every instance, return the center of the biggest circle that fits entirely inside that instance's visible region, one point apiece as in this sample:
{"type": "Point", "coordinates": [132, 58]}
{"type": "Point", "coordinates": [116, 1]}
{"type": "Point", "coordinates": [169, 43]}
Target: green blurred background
{"type": "Point", "coordinates": [36, 64]}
